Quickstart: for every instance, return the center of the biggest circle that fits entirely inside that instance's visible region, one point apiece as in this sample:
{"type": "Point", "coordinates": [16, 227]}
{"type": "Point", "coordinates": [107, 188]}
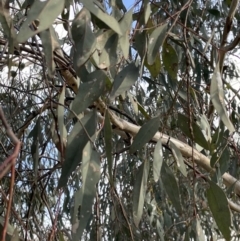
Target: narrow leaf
{"type": "Point", "coordinates": [124, 80]}
{"type": "Point", "coordinates": [77, 140]}
{"type": "Point", "coordinates": [170, 60]}
{"type": "Point", "coordinates": [90, 177]}
{"type": "Point", "coordinates": [83, 37]}
{"type": "Point", "coordinates": [37, 21]}
{"type": "Point", "coordinates": [108, 144]}
{"type": "Point", "coordinates": [60, 115]}
{"type": "Point", "coordinates": [139, 191]}
{"type": "Point", "coordinates": [217, 98]}
{"type": "Point", "coordinates": [218, 204]}
{"type": "Point", "coordinates": [145, 134]}
{"type": "Point", "coordinates": [125, 25]}
{"type": "Point", "coordinates": [89, 92]}
{"type": "Point", "coordinates": [104, 17]}
{"type": "Point", "coordinates": [183, 124]}
{"type": "Point", "coordinates": [156, 40]}
{"type": "Point", "coordinates": [178, 158]}
{"type": "Point", "coordinates": [171, 186]}
{"type": "Point", "coordinates": [157, 160]}
{"type": "Point", "coordinates": [49, 42]}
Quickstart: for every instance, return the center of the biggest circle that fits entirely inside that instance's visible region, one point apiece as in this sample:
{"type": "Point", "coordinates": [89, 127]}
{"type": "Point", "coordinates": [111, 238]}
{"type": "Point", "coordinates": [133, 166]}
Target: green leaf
{"type": "Point", "coordinates": [107, 19]}
{"type": "Point", "coordinates": [7, 23]}
{"type": "Point", "coordinates": [106, 55]}
{"type": "Point", "coordinates": [125, 25]}
{"type": "Point", "coordinates": [147, 10]}
{"type": "Point", "coordinates": [84, 39]}
{"type": "Point", "coordinates": [183, 124]}
{"type": "Point", "coordinates": [217, 98]}
{"type": "Point", "coordinates": [155, 68]}
{"type": "Point", "coordinates": [219, 207]}
{"type": "Point", "coordinates": [89, 92]}
{"type": "Point", "coordinates": [108, 144]}
{"type": "Point", "coordinates": [77, 140]}
{"type": "Point", "coordinates": [124, 80]}
{"type": "Point", "coordinates": [37, 15]}
{"type": "Point", "coordinates": [60, 115]}
{"type": "Point", "coordinates": [156, 40]}
{"type": "Point", "coordinates": [145, 134]}
{"type": "Point", "coordinates": [90, 177]}
{"type": "Point", "coordinates": [157, 160]}
{"type": "Point", "coordinates": [139, 191]}
{"type": "Point", "coordinates": [178, 158]}
{"type": "Point", "coordinates": [171, 187]}
{"type": "Point", "coordinates": [49, 42]}
{"type": "Point", "coordinates": [170, 60]}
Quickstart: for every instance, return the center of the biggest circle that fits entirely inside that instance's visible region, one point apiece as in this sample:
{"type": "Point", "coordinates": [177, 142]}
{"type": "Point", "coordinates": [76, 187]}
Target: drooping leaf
{"type": "Point", "coordinates": [83, 37]}
{"type": "Point", "coordinates": [145, 134]}
{"type": "Point", "coordinates": [125, 25]}
{"type": "Point", "coordinates": [106, 55]}
{"type": "Point", "coordinates": [37, 21]}
{"type": "Point", "coordinates": [156, 40]}
{"type": "Point", "coordinates": [108, 144]}
{"type": "Point", "coordinates": [184, 125]}
{"type": "Point", "coordinates": [178, 158]}
{"type": "Point", "coordinates": [219, 207]}
{"type": "Point", "coordinates": [90, 177]}
{"type": "Point", "coordinates": [60, 116]}
{"type": "Point", "coordinates": [217, 98]}
{"type": "Point", "coordinates": [49, 42]}
{"type": "Point", "coordinates": [104, 17]}
{"type": "Point", "coordinates": [171, 186]}
{"type": "Point", "coordinates": [157, 160]}
{"type": "Point", "coordinates": [89, 92]}
{"type": "Point", "coordinates": [7, 23]}
{"type": "Point", "coordinates": [124, 80]}
{"type": "Point", "coordinates": [147, 10]}
{"type": "Point", "coordinates": [170, 60]}
{"type": "Point", "coordinates": [139, 191]}
{"type": "Point", "coordinates": [77, 140]}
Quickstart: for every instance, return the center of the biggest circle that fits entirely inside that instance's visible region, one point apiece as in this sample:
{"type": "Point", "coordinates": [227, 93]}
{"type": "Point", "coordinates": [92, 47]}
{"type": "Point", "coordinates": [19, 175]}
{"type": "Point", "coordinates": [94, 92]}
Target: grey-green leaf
{"type": "Point", "coordinates": [49, 42]}
{"type": "Point", "coordinates": [183, 123]}
{"type": "Point", "coordinates": [124, 80]}
{"type": "Point", "coordinates": [37, 15]}
{"type": "Point", "coordinates": [90, 177]}
{"type": "Point", "coordinates": [139, 191]}
{"type": "Point", "coordinates": [157, 160]}
{"type": "Point", "coordinates": [218, 204]}
{"type": "Point", "coordinates": [83, 37]}
{"type": "Point", "coordinates": [104, 17]}
{"type": "Point", "coordinates": [178, 158]}
{"type": "Point", "coordinates": [171, 187]}
{"type": "Point", "coordinates": [145, 134]}
{"type": "Point", "coordinates": [108, 144]}
{"type": "Point", "coordinates": [156, 40]}
{"type": "Point", "coordinates": [89, 92]}
{"type": "Point", "coordinates": [77, 140]}
{"type": "Point", "coordinates": [217, 98]}
{"type": "Point", "coordinates": [125, 25]}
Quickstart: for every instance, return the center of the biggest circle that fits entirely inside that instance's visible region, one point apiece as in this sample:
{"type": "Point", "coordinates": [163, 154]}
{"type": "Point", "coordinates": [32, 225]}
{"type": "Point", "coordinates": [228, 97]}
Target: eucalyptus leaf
{"type": "Point", "coordinates": [76, 142]}
{"type": "Point", "coordinates": [217, 98]}
{"type": "Point", "coordinates": [171, 187]}
{"type": "Point", "coordinates": [156, 40]}
{"type": "Point", "coordinates": [124, 80]}
{"type": "Point", "coordinates": [218, 204]}
{"type": "Point", "coordinates": [145, 134]}
{"type": "Point", "coordinates": [139, 191]}
{"type": "Point", "coordinates": [90, 177]}
{"type": "Point", "coordinates": [157, 160]}
{"type": "Point", "coordinates": [36, 19]}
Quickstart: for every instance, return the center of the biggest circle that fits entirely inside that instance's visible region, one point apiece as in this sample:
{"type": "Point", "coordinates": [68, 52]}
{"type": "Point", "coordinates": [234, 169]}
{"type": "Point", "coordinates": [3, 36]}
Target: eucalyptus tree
{"type": "Point", "coordinates": [125, 121]}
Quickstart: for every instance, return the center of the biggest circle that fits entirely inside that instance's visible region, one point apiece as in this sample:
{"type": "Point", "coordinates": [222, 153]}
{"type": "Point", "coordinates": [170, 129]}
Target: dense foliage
{"type": "Point", "coordinates": [128, 119]}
